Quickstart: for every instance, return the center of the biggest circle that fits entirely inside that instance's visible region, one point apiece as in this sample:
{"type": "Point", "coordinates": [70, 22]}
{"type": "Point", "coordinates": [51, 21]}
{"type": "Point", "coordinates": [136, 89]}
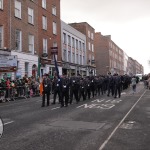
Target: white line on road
{"type": "Point", "coordinates": [113, 132]}
{"type": "Point", "coordinates": [8, 122]}
{"type": "Point", "coordinates": [55, 108]}
{"type": "Point", "coordinates": [98, 100]}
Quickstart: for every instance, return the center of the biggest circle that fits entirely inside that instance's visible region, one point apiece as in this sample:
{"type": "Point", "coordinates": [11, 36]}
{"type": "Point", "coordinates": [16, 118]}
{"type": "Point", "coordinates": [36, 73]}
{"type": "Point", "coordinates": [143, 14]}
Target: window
{"type": "Point", "coordinates": [80, 60]}
{"type": "Point", "coordinates": [83, 45]}
{"type": "Point", "coordinates": [1, 37]}
{"type": "Point", "coordinates": [64, 55]}
{"type": "Point", "coordinates": [92, 48]}
{"type": "Point", "coordinates": [73, 57]}
{"type": "Point", "coordinates": [54, 28]}
{"type": "Point", "coordinates": [83, 60]}
{"type": "Point", "coordinates": [1, 4]}
{"type": "Point", "coordinates": [69, 40]}
{"type": "Point", "coordinates": [69, 56]}
{"type": "Point", "coordinates": [80, 45]}
{"type": "Point", "coordinates": [73, 44]}
{"type": "Point", "coordinates": [77, 59]}
{"type": "Point", "coordinates": [30, 16]}
{"type": "Point", "coordinates": [89, 46]}
{"type": "Point", "coordinates": [89, 59]}
{"type": "Point", "coordinates": [27, 68]}
{"type": "Point", "coordinates": [44, 21]}
{"type": "Point", "coordinates": [92, 37]}
{"type": "Point", "coordinates": [64, 38]}
{"type": "Point", "coordinates": [17, 9]}
{"type": "Point", "coordinates": [18, 40]}
{"type": "Point", "coordinates": [54, 10]}
{"type": "Point", "coordinates": [31, 43]}
{"type": "Point", "coordinates": [54, 45]}
{"type": "Point", "coordinates": [44, 45]}
{"type": "Point", "coordinates": [44, 4]}
{"type": "Point", "coordinates": [89, 34]}
{"type": "Point", "coordinates": [76, 44]}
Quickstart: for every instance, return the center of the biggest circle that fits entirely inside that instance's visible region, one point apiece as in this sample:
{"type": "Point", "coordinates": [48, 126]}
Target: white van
{"type": "Point", "coordinates": [140, 76]}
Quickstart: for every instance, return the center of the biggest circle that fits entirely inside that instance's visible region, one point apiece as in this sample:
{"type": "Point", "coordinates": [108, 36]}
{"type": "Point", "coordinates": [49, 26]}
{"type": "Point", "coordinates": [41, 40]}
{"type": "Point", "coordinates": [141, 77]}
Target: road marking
{"type": "Point", "coordinates": [97, 100]}
{"type": "Point", "coordinates": [108, 101]}
{"type": "Point", "coordinates": [8, 122]}
{"type": "Point", "coordinates": [113, 132]}
{"type": "Point", "coordinates": [123, 93]}
{"type": "Point", "coordinates": [55, 108]}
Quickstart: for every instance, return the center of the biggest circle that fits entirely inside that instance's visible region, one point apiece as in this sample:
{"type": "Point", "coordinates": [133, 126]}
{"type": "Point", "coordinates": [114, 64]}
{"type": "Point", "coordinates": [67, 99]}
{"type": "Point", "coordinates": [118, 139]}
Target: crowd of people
{"type": "Point", "coordinates": [12, 89]}
{"type": "Point", "coordinates": [82, 88]}
{"type": "Point", "coordinates": [68, 89]}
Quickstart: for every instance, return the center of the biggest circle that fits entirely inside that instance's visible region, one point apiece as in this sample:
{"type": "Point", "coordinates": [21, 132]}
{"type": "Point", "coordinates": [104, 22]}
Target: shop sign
{"type": "Point", "coordinates": [8, 63]}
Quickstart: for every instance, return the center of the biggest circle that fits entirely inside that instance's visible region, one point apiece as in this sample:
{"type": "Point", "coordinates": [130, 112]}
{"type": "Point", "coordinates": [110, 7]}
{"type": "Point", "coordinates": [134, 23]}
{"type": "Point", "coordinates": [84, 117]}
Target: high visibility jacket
{"type": "Point", "coordinates": [41, 88]}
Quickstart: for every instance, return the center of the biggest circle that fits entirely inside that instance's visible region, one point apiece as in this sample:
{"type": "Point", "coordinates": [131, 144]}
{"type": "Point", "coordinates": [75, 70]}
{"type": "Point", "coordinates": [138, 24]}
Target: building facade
{"type": "Point", "coordinates": [73, 51]}
{"type": "Point", "coordinates": [109, 57]}
{"type": "Point", "coordinates": [29, 29]}
{"type": "Point", "coordinates": [49, 35]}
{"type": "Point", "coordinates": [89, 32]}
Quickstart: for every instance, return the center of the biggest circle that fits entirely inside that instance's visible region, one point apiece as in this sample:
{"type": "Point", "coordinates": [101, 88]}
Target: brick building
{"type": "Point", "coordinates": [89, 32]}
{"type": "Point", "coordinates": [109, 57]}
{"type": "Point", "coordinates": [49, 34]}
{"type": "Point", "coordinates": [134, 67]}
{"type": "Point", "coordinates": [4, 24]}
{"type": "Point", "coordinates": [29, 28]}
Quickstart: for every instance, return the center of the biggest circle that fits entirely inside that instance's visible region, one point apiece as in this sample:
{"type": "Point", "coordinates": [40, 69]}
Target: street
{"type": "Point", "coordinates": [102, 123]}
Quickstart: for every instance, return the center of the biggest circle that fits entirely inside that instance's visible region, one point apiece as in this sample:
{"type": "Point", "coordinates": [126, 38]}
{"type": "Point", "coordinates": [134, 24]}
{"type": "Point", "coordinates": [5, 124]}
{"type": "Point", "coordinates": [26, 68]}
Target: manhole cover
{"type": "Point", "coordinates": [128, 125]}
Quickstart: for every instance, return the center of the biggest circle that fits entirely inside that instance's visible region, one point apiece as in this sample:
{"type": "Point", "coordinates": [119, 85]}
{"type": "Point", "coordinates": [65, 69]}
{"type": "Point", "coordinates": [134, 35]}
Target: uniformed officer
{"type": "Point", "coordinates": [117, 85]}
{"type": "Point", "coordinates": [74, 86]}
{"type": "Point", "coordinates": [46, 90]}
{"type": "Point", "coordinates": [57, 89]}
{"type": "Point", "coordinates": [110, 84]}
{"type": "Point", "coordinates": [65, 91]}
{"type": "Point", "coordinates": [100, 85]}
{"type": "Point", "coordinates": [87, 88]}
{"type": "Point", "coordinates": [82, 89]}
{"type": "Point", "coordinates": [92, 85]}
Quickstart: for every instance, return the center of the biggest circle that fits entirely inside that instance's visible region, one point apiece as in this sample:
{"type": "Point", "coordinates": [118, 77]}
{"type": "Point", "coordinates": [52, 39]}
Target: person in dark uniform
{"type": "Point", "coordinates": [92, 85]}
{"type": "Point", "coordinates": [100, 85]}
{"type": "Point", "coordinates": [117, 86]}
{"type": "Point", "coordinates": [65, 91]}
{"type": "Point", "coordinates": [74, 85]}
{"type": "Point", "coordinates": [82, 89]}
{"type": "Point", "coordinates": [87, 88]}
{"type": "Point", "coordinates": [57, 89]}
{"type": "Point", "coordinates": [110, 84]}
{"type": "Point", "coordinates": [46, 90]}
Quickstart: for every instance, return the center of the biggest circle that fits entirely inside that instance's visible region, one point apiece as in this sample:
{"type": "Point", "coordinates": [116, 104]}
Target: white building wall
{"type": "Point", "coordinates": [22, 58]}
{"type": "Point", "coordinates": [72, 32]}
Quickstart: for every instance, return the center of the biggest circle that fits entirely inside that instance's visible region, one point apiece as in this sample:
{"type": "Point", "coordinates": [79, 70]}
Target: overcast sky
{"type": "Point", "coordinates": [127, 21]}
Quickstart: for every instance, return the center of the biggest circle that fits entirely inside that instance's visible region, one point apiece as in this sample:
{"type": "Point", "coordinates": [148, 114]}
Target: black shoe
{"type": "Point", "coordinates": [43, 106]}
{"type": "Point", "coordinates": [115, 97]}
{"type": "Point", "coordinates": [53, 103]}
{"type": "Point", "coordinates": [62, 106]}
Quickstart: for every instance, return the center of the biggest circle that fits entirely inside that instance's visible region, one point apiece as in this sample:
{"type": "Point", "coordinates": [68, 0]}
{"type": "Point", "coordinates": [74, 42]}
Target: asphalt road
{"type": "Point", "coordinates": [102, 123]}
